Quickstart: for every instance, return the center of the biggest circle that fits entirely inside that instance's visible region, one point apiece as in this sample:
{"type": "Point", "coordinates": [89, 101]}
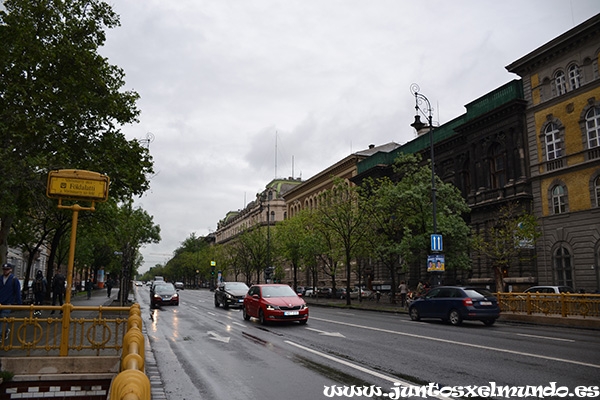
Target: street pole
{"type": "Point", "coordinates": [418, 125]}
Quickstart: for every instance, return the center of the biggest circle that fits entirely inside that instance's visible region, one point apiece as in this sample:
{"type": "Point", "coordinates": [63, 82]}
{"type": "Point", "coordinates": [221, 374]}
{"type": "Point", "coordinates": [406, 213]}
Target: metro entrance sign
{"type": "Point", "coordinates": [74, 184]}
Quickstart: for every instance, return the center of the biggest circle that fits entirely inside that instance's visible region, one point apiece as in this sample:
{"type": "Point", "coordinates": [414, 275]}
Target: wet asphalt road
{"type": "Point", "coordinates": [205, 352]}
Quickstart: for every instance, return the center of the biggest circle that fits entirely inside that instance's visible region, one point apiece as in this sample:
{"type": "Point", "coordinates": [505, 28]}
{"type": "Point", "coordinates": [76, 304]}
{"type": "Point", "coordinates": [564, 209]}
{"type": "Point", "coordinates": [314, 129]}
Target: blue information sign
{"type": "Point", "coordinates": [436, 243]}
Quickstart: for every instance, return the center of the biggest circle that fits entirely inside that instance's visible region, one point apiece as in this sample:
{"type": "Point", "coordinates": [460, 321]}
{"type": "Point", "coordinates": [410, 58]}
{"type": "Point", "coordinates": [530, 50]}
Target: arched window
{"type": "Point", "coordinates": [592, 126]}
{"type": "Point", "coordinates": [553, 142]}
{"type": "Point", "coordinates": [597, 191]}
{"type": "Point", "coordinates": [574, 78]}
{"type": "Point", "coordinates": [560, 83]}
{"type": "Point", "coordinates": [497, 167]}
{"type": "Point", "coordinates": [559, 199]}
{"type": "Point", "coordinates": [563, 266]}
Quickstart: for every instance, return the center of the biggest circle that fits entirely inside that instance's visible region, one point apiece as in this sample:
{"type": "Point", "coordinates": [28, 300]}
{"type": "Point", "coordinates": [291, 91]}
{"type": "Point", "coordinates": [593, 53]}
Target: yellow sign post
{"type": "Point", "coordinates": [74, 184]}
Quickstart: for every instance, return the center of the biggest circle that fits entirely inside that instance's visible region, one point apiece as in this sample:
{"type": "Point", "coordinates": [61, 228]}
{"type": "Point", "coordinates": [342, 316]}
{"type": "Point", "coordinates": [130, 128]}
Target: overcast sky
{"type": "Point", "coordinates": [233, 91]}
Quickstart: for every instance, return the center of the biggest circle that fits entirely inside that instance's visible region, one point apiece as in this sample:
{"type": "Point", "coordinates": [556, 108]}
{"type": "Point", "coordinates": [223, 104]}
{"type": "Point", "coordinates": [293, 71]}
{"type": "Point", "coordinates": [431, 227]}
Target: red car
{"type": "Point", "coordinates": [274, 302]}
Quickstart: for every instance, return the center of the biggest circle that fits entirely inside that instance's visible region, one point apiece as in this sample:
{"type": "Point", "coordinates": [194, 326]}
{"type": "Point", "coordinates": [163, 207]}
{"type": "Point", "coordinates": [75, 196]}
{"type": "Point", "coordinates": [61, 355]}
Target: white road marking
{"type": "Point", "coordinates": [477, 346]}
{"type": "Point", "coordinates": [216, 336]}
{"type": "Point", "coordinates": [358, 367]}
{"type": "Point", "coordinates": [336, 334]}
{"type": "Point", "coordinates": [546, 337]}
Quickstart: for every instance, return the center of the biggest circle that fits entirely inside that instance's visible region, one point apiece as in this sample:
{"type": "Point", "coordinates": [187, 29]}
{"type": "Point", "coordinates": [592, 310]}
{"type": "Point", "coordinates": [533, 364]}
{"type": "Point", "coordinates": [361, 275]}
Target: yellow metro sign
{"type": "Point", "coordinates": [76, 184]}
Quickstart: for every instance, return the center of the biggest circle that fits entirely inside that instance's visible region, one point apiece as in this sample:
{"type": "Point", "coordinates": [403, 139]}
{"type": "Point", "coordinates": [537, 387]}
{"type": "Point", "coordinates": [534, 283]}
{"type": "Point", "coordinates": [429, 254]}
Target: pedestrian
{"type": "Point", "coordinates": [10, 294]}
{"type": "Point", "coordinates": [403, 292]}
{"type": "Point", "coordinates": [39, 290]}
{"type": "Point", "coordinates": [58, 289]}
{"type": "Point", "coordinates": [420, 288]}
{"type": "Point", "coordinates": [109, 286]}
{"type": "Point", "coordinates": [88, 288]}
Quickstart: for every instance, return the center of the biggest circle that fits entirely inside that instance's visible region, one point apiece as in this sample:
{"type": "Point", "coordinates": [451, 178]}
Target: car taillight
{"type": "Point", "coordinates": [467, 302]}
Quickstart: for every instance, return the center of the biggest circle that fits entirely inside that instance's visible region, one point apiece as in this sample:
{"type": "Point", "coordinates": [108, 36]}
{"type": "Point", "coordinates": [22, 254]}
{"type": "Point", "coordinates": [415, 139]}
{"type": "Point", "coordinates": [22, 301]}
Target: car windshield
{"type": "Point", "coordinates": [278, 291]}
{"type": "Point", "coordinates": [236, 286]}
{"type": "Point", "coordinates": [478, 292]}
{"type": "Point", "coordinates": [164, 288]}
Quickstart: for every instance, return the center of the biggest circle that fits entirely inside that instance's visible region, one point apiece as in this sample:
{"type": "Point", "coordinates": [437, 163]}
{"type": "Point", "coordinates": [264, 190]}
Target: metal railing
{"type": "Point", "coordinates": [551, 304]}
{"type": "Point", "coordinates": [73, 329]}
{"type": "Point", "coordinates": [132, 383]}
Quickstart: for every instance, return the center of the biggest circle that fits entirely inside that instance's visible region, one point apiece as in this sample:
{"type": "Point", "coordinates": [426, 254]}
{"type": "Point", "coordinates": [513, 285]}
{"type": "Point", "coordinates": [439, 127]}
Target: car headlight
{"type": "Point", "coordinates": [303, 306]}
{"type": "Point", "coordinates": [228, 296]}
{"type": "Point", "coordinates": [175, 295]}
{"type": "Point", "coordinates": [271, 307]}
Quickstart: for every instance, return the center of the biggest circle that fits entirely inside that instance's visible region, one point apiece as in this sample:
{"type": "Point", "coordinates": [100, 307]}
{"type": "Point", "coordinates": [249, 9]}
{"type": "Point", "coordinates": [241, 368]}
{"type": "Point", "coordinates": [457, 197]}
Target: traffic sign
{"type": "Point", "coordinates": [77, 184]}
{"type": "Point", "coordinates": [436, 243]}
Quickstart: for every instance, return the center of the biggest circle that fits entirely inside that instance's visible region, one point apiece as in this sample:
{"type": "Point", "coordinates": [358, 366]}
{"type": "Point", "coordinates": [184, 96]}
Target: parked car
{"type": "Point", "coordinates": [455, 304]}
{"type": "Point", "coordinates": [550, 289]}
{"type": "Point", "coordinates": [164, 294]}
{"type": "Point", "coordinates": [364, 293]}
{"type": "Point", "coordinates": [274, 302]}
{"type": "Point", "coordinates": [300, 290]}
{"type": "Point", "coordinates": [230, 294]}
{"type": "Point", "coordinates": [340, 293]}
{"type": "Point", "coordinates": [179, 285]}
{"type": "Point", "coordinates": [309, 292]}
{"type": "Point", "coordinates": [325, 292]}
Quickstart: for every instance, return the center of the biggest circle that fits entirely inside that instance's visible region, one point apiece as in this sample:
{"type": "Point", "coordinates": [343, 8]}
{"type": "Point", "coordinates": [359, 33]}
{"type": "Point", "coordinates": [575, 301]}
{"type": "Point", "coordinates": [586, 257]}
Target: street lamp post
{"type": "Point", "coordinates": [418, 125]}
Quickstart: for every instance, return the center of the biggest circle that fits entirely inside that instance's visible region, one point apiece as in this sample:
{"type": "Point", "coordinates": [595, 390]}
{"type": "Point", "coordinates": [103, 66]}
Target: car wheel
{"type": "Point", "coordinates": [261, 317]}
{"type": "Point", "coordinates": [489, 322]}
{"type": "Point", "coordinates": [226, 306]}
{"type": "Point", "coordinates": [303, 321]}
{"type": "Point", "coordinates": [454, 317]}
{"type": "Point", "coordinates": [245, 314]}
{"type": "Point", "coordinates": [216, 302]}
{"type": "Point", "coordinates": [414, 314]}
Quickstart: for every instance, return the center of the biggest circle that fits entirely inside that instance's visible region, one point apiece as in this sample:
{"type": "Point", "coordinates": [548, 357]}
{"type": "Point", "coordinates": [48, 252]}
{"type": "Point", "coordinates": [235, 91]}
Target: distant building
{"type": "Point", "coordinates": [268, 207]}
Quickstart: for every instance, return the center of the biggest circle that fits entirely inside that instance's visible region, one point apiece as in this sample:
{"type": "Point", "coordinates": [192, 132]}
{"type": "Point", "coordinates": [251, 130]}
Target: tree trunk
{"type": "Point", "coordinates": [5, 224]}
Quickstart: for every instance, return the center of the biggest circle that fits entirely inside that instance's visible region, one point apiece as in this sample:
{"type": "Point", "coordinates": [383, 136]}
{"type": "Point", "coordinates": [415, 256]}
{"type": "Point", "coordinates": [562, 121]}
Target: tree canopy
{"type": "Point", "coordinates": [62, 104]}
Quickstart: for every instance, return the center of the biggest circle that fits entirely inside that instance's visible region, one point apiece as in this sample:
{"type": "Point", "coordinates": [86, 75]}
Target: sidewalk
{"type": "Point", "coordinates": [385, 306]}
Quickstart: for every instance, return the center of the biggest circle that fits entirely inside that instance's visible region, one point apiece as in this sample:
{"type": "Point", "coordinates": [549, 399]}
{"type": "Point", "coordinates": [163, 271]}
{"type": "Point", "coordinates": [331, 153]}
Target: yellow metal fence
{"type": "Point", "coordinates": [87, 330]}
{"type": "Point", "coordinates": [551, 304]}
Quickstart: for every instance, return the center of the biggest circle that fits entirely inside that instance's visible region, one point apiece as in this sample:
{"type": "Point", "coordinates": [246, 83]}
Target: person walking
{"type": "Point", "coordinates": [109, 285]}
{"type": "Point", "coordinates": [58, 289]}
{"type": "Point", "coordinates": [403, 292]}
{"type": "Point", "coordinates": [39, 291]}
{"type": "Point", "coordinates": [88, 288]}
{"type": "Point", "coordinates": [10, 294]}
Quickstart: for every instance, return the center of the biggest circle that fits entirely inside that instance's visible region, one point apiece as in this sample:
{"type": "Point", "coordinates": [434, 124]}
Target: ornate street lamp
{"type": "Point", "coordinates": [418, 125]}
{"type": "Point", "coordinates": [436, 262]}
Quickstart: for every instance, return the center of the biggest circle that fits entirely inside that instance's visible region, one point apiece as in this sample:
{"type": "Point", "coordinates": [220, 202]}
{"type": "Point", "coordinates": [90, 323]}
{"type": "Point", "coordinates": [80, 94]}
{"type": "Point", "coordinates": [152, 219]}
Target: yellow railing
{"type": "Point", "coordinates": [132, 383]}
{"type": "Point", "coordinates": [551, 304]}
{"type": "Point", "coordinates": [71, 328]}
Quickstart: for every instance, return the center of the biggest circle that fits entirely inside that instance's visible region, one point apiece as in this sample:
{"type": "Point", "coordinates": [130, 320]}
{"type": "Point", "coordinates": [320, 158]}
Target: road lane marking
{"type": "Point", "coordinates": [336, 334]}
{"type": "Point", "coordinates": [476, 346]}
{"type": "Point", "coordinates": [546, 337]}
{"type": "Point", "coordinates": [358, 367]}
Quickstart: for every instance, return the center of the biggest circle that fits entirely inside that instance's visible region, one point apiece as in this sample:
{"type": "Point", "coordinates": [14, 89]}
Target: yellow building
{"type": "Point", "coordinates": [561, 84]}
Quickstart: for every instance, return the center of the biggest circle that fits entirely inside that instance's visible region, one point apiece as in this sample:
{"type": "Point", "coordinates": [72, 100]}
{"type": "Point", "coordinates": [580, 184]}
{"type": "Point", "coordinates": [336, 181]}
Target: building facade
{"type": "Point", "coordinates": [562, 89]}
{"type": "Point", "coordinates": [482, 153]}
{"type": "Point", "coordinates": [269, 207]}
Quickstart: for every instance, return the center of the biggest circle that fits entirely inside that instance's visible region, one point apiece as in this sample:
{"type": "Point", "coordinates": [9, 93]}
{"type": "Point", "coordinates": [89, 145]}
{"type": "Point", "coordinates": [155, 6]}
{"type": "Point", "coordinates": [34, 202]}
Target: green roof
{"type": "Point", "coordinates": [504, 94]}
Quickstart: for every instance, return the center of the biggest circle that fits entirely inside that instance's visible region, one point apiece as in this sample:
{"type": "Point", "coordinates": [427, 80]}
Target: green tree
{"type": "Point", "coordinates": [343, 220]}
{"type": "Point", "coordinates": [62, 104]}
{"type": "Point", "coordinates": [291, 236]}
{"type": "Point", "coordinates": [503, 241]}
{"type": "Point", "coordinates": [133, 228]}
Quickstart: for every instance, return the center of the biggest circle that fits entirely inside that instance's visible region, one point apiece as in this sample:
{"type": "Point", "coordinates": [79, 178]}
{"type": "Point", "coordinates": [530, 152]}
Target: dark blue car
{"type": "Point", "coordinates": [455, 304]}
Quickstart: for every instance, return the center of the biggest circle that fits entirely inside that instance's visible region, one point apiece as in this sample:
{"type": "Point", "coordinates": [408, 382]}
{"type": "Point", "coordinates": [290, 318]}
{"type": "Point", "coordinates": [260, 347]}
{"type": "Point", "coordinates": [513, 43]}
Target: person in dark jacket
{"type": "Point", "coordinates": [39, 290]}
{"type": "Point", "coordinates": [58, 288]}
{"type": "Point", "coordinates": [10, 294]}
